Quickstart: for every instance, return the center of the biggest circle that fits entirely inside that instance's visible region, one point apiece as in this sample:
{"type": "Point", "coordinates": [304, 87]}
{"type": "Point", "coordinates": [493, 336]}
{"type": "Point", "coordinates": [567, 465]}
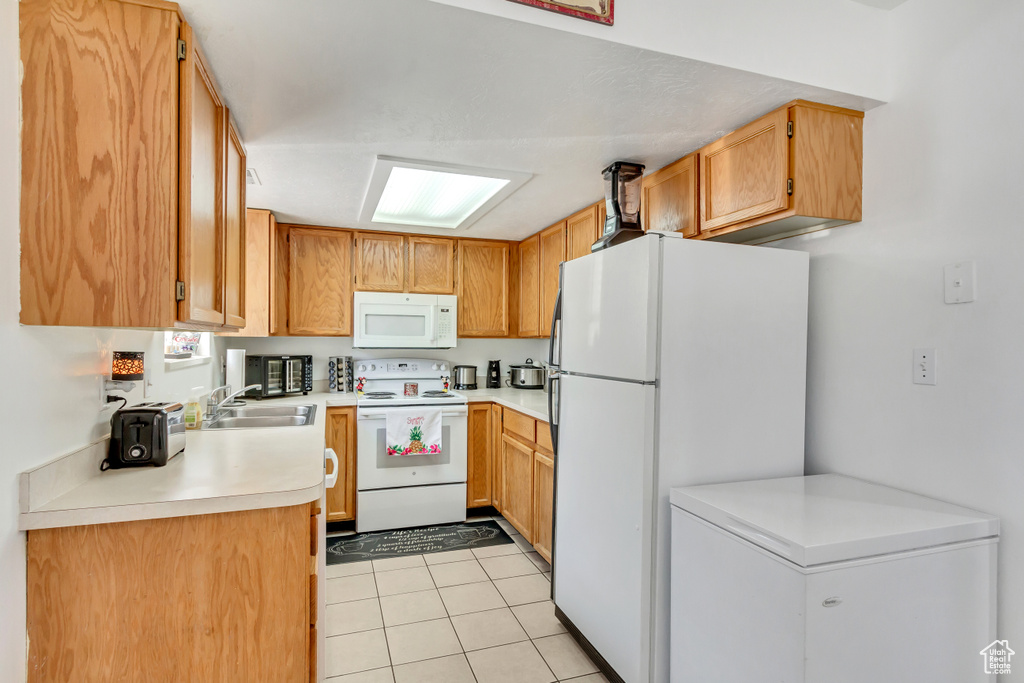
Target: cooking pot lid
{"type": "Point", "coordinates": [465, 366]}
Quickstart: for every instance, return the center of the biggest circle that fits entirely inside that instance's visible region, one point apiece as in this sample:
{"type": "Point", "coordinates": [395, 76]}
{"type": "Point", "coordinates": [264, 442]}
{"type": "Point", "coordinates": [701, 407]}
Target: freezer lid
{"type": "Point", "coordinates": [826, 518]}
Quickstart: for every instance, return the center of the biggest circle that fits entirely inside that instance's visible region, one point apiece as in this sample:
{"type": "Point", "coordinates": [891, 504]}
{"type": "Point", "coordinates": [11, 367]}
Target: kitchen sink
{"type": "Point", "coordinates": [252, 417]}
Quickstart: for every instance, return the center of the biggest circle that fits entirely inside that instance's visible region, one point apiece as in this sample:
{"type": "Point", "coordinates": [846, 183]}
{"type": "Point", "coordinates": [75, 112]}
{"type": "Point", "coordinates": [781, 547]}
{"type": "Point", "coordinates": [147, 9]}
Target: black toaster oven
{"type": "Point", "coordinates": [279, 375]}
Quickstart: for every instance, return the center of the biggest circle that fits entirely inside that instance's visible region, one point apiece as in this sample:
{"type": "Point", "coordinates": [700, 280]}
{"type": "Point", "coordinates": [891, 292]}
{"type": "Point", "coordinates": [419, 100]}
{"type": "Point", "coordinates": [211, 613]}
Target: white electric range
{"type": "Point", "coordinates": [400, 491]}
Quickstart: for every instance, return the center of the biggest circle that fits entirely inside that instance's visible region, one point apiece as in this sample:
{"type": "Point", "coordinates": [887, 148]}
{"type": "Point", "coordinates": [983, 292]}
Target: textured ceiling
{"type": "Point", "coordinates": [882, 4]}
{"type": "Point", "coordinates": [320, 87]}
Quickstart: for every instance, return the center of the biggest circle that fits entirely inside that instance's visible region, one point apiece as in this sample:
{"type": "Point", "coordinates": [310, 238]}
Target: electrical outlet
{"type": "Point", "coordinates": [924, 366]}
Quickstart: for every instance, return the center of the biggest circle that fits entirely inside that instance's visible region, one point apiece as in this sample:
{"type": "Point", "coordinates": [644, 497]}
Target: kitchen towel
{"type": "Point", "coordinates": [413, 431]}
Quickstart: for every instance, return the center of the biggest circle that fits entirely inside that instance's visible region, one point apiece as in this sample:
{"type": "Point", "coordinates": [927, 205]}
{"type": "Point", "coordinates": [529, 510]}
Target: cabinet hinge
{"type": "Point", "coordinates": [182, 49]}
{"type": "Point", "coordinates": [789, 129]}
{"type": "Point", "coordinates": [789, 187]}
{"type": "Point", "coordinates": [179, 291]}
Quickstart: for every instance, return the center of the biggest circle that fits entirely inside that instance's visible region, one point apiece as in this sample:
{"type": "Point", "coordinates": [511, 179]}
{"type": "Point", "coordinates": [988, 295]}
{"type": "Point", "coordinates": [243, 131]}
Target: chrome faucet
{"type": "Point", "coordinates": [213, 408]}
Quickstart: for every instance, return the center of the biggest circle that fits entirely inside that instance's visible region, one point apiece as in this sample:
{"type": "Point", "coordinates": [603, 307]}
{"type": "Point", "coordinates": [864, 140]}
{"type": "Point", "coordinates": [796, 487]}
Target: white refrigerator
{"type": "Point", "coordinates": [829, 579]}
{"type": "Point", "coordinates": [675, 362]}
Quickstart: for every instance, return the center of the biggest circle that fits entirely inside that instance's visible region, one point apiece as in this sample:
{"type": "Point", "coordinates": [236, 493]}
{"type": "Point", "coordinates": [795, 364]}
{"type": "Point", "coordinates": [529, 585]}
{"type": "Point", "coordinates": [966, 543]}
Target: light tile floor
{"type": "Point", "coordinates": [480, 616]}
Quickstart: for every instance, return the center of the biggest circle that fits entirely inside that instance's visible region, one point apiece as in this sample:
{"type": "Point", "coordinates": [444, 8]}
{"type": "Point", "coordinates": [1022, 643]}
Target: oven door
{"type": "Point", "coordinates": [294, 375]}
{"type": "Point", "coordinates": [403, 321]}
{"type": "Point", "coordinates": [378, 470]}
{"type": "Point", "coordinates": [273, 376]}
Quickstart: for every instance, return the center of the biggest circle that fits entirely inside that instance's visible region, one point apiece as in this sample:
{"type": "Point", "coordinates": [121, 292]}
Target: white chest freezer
{"type": "Point", "coordinates": [828, 579]}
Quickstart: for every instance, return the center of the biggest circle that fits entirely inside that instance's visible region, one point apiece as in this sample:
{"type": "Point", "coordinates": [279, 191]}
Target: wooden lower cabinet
{"type": "Point", "coordinates": [517, 476]}
{"type": "Point", "coordinates": [497, 479]}
{"type": "Point", "coordinates": [479, 461]}
{"type": "Point", "coordinates": [205, 598]}
{"type": "Point", "coordinates": [341, 436]}
{"type": "Point", "coordinates": [543, 503]}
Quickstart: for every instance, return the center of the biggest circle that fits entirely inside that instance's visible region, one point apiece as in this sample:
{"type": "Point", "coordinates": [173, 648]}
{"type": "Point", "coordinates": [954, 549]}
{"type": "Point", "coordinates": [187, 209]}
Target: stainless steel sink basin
{"type": "Point", "coordinates": [253, 417]}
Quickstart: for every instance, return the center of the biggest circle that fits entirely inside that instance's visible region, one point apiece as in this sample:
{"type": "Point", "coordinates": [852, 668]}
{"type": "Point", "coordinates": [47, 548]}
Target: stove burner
{"type": "Point", "coordinates": [435, 394]}
{"type": "Point", "coordinates": [379, 394]}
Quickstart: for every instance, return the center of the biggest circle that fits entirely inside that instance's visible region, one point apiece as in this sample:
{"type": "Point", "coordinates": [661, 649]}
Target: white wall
{"type": "Point", "coordinates": [836, 44]}
{"type": "Point", "coordinates": [943, 176]}
{"type": "Point", "coordinates": [50, 401]}
{"type": "Point", "coordinates": [468, 352]}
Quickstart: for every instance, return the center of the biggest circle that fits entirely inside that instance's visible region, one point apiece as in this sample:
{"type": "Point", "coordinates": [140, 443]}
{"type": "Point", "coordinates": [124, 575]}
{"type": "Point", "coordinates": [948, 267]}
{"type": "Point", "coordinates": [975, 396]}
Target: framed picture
{"type": "Point", "coordinates": [601, 11]}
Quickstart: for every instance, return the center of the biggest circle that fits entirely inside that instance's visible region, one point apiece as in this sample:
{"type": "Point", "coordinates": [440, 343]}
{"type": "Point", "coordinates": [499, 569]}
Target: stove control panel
{"type": "Point", "coordinates": [406, 368]}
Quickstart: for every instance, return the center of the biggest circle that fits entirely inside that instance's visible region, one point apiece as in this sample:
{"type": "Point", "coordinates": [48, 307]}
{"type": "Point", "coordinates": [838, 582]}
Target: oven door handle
{"type": "Point", "coordinates": [378, 413]}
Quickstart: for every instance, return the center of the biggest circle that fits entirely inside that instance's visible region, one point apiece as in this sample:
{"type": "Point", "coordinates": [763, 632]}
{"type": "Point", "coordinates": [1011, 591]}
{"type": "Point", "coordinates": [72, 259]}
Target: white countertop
{"type": "Point", "coordinates": [532, 402]}
{"type": "Point", "coordinates": [220, 471]}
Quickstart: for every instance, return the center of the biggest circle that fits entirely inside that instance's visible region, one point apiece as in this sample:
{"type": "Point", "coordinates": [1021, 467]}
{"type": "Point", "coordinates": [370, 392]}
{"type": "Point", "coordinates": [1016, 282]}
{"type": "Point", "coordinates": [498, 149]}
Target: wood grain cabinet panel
{"type": "Point", "coordinates": [201, 232]}
{"type": "Point", "coordinates": [259, 235]}
{"type": "Point", "coordinates": [795, 170]}
{"type": "Point", "coordinates": [479, 462]}
{"type": "Point", "coordinates": [530, 323]}
{"type": "Point", "coordinates": [517, 475]}
{"type": "Point", "coordinates": [380, 262]}
{"type": "Point", "coordinates": [341, 436]}
{"type": "Point", "coordinates": [543, 503]}
{"type": "Point", "coordinates": [235, 239]}
{"type": "Point", "coordinates": [99, 164]}
{"type": "Point", "coordinates": [669, 202]}
{"type": "Point", "coordinates": [226, 596]}
{"type": "Point", "coordinates": [483, 286]}
{"type": "Point", "coordinates": [497, 469]}
{"type": "Point", "coordinates": [581, 231]}
{"type": "Point", "coordinates": [319, 282]}
{"type": "Point", "coordinates": [552, 253]}
{"type": "Point", "coordinates": [431, 265]}
{"type": "Point", "coordinates": [279, 265]}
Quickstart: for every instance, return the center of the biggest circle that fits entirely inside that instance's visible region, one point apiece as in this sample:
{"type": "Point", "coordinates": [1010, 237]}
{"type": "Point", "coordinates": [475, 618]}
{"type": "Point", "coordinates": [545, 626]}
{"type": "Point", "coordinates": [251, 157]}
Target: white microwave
{"type": "Point", "coordinates": [385, 320]}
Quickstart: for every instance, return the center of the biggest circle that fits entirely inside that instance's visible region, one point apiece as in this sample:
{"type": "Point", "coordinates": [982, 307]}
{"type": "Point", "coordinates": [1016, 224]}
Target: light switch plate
{"type": "Point", "coordinates": [961, 280]}
{"type": "Point", "coordinates": [924, 366]}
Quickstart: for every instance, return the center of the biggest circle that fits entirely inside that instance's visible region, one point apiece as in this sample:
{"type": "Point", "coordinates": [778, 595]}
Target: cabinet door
{"type": "Point", "coordinates": [743, 175]}
{"type": "Point", "coordinates": [320, 282]}
{"type": "Point", "coordinates": [235, 271]}
{"type": "Point", "coordinates": [201, 201]}
{"type": "Point", "coordinates": [431, 265]}
{"type": "Point", "coordinates": [483, 288]}
{"type": "Point", "coordinates": [279, 257]}
{"type": "Point", "coordinates": [582, 230]}
{"type": "Point", "coordinates": [552, 253]}
{"type": "Point", "coordinates": [497, 480]}
{"type": "Point", "coordinates": [479, 477]}
{"type": "Point", "coordinates": [259, 237]}
{"type": "Point", "coordinates": [99, 169]}
{"type": "Point", "coordinates": [530, 324]}
{"type": "Point", "coordinates": [517, 498]}
{"type": "Point", "coordinates": [543, 503]}
{"type": "Point", "coordinates": [380, 262]}
{"type": "Point", "coordinates": [341, 436]}
{"type": "Point", "coordinates": [669, 202]}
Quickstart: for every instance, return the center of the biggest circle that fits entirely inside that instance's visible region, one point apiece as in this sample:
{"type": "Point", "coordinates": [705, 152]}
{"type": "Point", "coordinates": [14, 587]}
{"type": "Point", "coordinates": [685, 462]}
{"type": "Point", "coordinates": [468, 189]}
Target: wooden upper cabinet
{"type": "Point", "coordinates": [259, 235]}
{"type": "Point", "coordinates": [431, 265]}
{"type": "Point", "coordinates": [479, 462]}
{"type": "Point", "coordinates": [99, 164]}
{"type": "Point", "coordinates": [235, 242]}
{"type": "Point", "coordinates": [341, 436]}
{"type": "Point", "coordinates": [483, 284]}
{"type": "Point", "coordinates": [319, 282]}
{"type": "Point", "coordinates": [669, 202]}
{"type": "Point", "coordinates": [530, 324]}
{"type": "Point", "coordinates": [380, 262]}
{"type": "Point", "coordinates": [794, 170]}
{"type": "Point", "coordinates": [581, 231]}
{"type": "Point", "coordinates": [552, 253]}
{"type": "Point", "coordinates": [279, 265]}
{"type": "Point", "coordinates": [201, 234]}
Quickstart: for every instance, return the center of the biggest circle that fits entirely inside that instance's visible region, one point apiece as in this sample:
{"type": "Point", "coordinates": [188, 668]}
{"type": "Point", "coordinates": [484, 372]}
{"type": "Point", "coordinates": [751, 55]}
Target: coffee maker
{"type": "Point", "coordinates": [493, 374]}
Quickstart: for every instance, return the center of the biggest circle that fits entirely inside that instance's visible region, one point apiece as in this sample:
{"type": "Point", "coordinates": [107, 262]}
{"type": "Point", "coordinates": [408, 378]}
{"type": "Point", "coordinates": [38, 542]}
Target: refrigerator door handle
{"type": "Point", "coordinates": [556, 319]}
{"type": "Point", "coordinates": [553, 410]}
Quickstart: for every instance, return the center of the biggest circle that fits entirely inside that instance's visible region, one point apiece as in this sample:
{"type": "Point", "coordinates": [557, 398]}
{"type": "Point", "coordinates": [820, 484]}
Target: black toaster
{"type": "Point", "coordinates": [146, 434]}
